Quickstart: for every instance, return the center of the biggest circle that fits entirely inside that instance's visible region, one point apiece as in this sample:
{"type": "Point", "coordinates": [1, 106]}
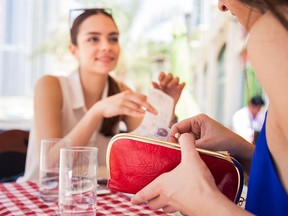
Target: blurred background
{"type": "Point", "coordinates": [189, 38]}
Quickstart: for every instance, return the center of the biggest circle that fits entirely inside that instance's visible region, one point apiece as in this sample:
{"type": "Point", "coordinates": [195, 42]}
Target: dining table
{"type": "Point", "coordinates": [23, 199]}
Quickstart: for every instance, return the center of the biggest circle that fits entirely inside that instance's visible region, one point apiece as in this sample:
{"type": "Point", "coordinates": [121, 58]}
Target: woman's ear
{"type": "Point", "coordinates": [73, 50]}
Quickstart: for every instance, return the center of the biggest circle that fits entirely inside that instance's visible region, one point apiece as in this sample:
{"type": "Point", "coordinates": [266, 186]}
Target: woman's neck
{"type": "Point", "coordinates": [93, 85]}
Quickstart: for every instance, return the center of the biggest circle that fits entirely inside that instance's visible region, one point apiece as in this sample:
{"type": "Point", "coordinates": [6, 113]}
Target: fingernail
{"type": "Point", "coordinates": [177, 136]}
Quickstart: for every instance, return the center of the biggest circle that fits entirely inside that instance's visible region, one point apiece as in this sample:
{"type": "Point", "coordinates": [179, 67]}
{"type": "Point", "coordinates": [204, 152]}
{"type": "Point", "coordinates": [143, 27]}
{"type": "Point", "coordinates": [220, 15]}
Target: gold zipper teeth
{"type": "Point", "coordinates": [220, 154]}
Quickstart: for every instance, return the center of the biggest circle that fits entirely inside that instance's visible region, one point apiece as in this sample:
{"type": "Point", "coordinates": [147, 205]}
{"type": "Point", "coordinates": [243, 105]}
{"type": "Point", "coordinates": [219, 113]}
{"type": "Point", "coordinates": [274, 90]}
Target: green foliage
{"type": "Point", "coordinates": [252, 87]}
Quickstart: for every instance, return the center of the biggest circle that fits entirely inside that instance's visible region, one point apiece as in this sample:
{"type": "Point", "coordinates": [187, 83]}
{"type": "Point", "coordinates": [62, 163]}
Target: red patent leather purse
{"type": "Point", "coordinates": [134, 161]}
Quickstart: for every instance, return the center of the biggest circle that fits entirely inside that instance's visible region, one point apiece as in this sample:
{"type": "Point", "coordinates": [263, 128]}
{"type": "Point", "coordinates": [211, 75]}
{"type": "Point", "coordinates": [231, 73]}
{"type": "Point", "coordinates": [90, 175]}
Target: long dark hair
{"type": "Point", "coordinates": [109, 124]}
{"type": "Point", "coordinates": [271, 5]}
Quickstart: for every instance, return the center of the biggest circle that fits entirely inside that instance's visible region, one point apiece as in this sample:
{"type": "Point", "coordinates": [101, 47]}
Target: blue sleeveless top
{"type": "Point", "coordinates": [266, 195]}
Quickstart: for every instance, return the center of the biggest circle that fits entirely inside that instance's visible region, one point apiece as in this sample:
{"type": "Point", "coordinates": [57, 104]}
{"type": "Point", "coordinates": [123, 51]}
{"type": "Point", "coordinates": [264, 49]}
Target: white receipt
{"type": "Point", "coordinates": [157, 126]}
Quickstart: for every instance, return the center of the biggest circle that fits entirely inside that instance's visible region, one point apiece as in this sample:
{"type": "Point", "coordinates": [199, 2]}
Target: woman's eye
{"type": "Point", "coordinates": [93, 39]}
{"type": "Point", "coordinates": [113, 39]}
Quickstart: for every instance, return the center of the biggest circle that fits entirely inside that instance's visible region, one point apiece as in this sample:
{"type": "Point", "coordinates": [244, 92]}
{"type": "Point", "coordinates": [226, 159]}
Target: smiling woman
{"type": "Point", "coordinates": [87, 106]}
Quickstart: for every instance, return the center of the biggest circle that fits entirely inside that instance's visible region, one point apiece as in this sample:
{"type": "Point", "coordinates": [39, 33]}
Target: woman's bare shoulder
{"type": "Point", "coordinates": [47, 81]}
{"type": "Point", "coordinates": [49, 87]}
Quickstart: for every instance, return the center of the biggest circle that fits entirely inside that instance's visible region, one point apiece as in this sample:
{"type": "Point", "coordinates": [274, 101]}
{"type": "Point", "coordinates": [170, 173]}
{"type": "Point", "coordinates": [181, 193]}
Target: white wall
{"type": "Point", "coordinates": [224, 29]}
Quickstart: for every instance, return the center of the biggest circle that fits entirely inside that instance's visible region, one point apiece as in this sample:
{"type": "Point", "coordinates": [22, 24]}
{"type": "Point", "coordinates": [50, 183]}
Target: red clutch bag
{"type": "Point", "coordinates": [134, 161]}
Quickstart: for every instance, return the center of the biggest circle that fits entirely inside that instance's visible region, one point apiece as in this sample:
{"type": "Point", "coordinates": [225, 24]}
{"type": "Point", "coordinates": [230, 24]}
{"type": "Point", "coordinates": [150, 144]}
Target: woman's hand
{"type": "Point", "coordinates": [189, 188]}
{"type": "Point", "coordinates": [212, 135]}
{"type": "Point", "coordinates": [170, 85]}
{"type": "Point", "coordinates": [126, 103]}
{"type": "Point", "coordinates": [209, 134]}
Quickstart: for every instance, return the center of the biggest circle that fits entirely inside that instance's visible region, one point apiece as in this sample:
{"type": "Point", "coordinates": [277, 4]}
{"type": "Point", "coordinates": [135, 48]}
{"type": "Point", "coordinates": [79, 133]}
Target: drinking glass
{"type": "Point", "coordinates": [78, 181]}
{"type": "Point", "coordinates": [49, 167]}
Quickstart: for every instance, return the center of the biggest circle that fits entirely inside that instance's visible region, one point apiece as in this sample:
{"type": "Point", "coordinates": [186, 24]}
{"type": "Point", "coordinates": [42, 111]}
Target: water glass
{"type": "Point", "coordinates": [49, 167]}
{"type": "Point", "coordinates": [78, 181]}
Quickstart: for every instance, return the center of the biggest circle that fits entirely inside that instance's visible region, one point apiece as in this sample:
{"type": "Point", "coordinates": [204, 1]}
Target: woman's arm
{"type": "Point", "coordinates": [48, 112]}
{"type": "Point", "coordinates": [48, 116]}
{"type": "Point", "coordinates": [47, 108]}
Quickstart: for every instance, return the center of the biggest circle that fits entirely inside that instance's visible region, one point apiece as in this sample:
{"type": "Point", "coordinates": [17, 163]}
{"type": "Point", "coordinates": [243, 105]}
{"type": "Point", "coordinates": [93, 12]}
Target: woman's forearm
{"type": "Point", "coordinates": [242, 151]}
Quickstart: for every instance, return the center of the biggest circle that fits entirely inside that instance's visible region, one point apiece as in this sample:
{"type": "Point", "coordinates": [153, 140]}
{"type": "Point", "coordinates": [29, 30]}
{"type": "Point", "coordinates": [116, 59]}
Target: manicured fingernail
{"type": "Point", "coordinates": [177, 136]}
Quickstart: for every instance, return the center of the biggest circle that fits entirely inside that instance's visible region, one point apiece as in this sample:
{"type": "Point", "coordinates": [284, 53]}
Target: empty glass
{"type": "Point", "coordinates": [78, 181]}
{"type": "Point", "coordinates": [49, 168]}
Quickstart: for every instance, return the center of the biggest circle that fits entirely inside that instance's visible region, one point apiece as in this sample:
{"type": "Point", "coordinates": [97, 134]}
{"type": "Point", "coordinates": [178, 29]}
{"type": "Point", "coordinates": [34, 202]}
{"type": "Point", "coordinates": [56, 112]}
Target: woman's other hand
{"type": "Point", "coordinates": [170, 85]}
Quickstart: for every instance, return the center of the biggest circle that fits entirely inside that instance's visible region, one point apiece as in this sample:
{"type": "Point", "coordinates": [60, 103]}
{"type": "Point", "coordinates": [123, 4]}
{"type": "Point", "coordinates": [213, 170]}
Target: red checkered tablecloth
{"type": "Point", "coordinates": [23, 199]}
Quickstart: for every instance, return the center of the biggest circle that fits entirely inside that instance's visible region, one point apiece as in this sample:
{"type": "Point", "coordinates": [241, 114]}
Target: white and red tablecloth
{"type": "Point", "coordinates": [23, 199]}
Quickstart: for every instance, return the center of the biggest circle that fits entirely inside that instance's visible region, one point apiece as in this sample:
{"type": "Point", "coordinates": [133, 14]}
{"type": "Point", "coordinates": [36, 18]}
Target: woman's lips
{"type": "Point", "coordinates": [105, 59]}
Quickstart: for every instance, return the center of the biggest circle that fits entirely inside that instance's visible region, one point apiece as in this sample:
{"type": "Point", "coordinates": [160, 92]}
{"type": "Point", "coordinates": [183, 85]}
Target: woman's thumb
{"type": "Point", "coordinates": [188, 150]}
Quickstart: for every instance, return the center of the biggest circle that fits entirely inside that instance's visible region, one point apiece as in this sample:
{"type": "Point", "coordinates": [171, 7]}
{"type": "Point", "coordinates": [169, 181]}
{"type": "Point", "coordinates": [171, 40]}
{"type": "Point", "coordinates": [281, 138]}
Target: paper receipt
{"type": "Point", "coordinates": [157, 126]}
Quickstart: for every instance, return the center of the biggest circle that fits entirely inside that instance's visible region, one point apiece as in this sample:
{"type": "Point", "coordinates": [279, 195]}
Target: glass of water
{"type": "Point", "coordinates": [49, 167]}
{"type": "Point", "coordinates": [78, 181]}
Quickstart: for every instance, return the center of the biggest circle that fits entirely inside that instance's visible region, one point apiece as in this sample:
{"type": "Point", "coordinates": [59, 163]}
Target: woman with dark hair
{"type": "Point", "coordinates": [190, 187]}
{"type": "Point", "coordinates": [87, 106]}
